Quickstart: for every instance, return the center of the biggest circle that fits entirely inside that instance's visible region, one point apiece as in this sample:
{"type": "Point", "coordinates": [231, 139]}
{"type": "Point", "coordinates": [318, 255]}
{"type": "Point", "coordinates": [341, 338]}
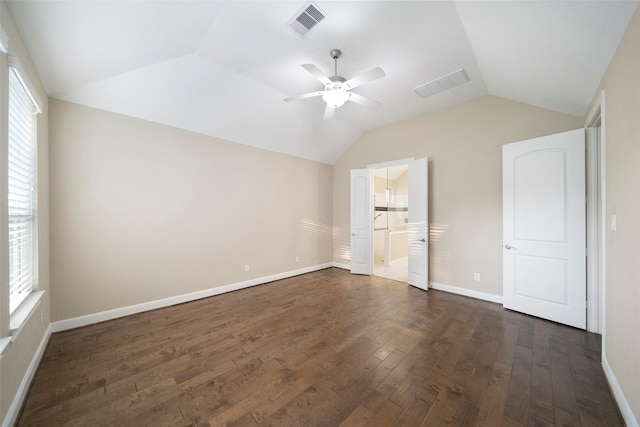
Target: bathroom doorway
{"type": "Point", "coordinates": [390, 222]}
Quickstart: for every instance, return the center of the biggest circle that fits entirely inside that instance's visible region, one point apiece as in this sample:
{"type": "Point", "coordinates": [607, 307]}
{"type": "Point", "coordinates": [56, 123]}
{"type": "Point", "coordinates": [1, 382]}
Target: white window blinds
{"type": "Point", "coordinates": [21, 195]}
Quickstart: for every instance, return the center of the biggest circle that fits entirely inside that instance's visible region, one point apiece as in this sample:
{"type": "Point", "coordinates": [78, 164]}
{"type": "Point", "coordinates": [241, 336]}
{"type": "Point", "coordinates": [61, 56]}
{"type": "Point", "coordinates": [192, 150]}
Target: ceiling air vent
{"type": "Point", "coordinates": [306, 19]}
{"type": "Point", "coordinates": [443, 83]}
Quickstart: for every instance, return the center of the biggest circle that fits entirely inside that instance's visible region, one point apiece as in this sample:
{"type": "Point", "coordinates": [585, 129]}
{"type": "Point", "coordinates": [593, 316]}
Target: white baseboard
{"type": "Point", "coordinates": [448, 288]}
{"type": "Point", "coordinates": [62, 325]}
{"type": "Point", "coordinates": [618, 395]}
{"type": "Point", "coordinates": [342, 266]}
{"type": "Point", "coordinates": [89, 319]}
{"type": "Point", "coordinates": [466, 292]}
{"type": "Point", "coordinates": [18, 399]}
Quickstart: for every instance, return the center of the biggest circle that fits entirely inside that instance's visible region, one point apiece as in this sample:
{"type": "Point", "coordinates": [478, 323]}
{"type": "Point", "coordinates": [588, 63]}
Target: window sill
{"type": "Point", "coordinates": [23, 313]}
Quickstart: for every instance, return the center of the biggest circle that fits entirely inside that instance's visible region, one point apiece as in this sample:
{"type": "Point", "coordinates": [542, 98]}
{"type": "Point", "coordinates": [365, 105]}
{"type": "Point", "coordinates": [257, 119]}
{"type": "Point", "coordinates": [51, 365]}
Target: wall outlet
{"type": "Point", "coordinates": [41, 316]}
{"type": "Point", "coordinates": [246, 267]}
{"type": "Point", "coordinates": [476, 277]}
{"type": "Point", "coordinates": [297, 259]}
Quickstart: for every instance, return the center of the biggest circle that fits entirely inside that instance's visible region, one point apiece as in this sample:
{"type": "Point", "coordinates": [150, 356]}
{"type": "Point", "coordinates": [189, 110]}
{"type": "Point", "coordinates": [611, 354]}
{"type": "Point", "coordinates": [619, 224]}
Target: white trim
{"type": "Point", "coordinates": [595, 112]}
{"type": "Point", "coordinates": [391, 164]}
{"type": "Point", "coordinates": [592, 210]}
{"type": "Point", "coordinates": [342, 266]}
{"type": "Point", "coordinates": [598, 113]}
{"type": "Point", "coordinates": [76, 322]}
{"type": "Point", "coordinates": [603, 227]}
{"type": "Point", "coordinates": [14, 62]}
{"type": "Point", "coordinates": [16, 404]}
{"type": "Point", "coordinates": [89, 319]}
{"type": "Point", "coordinates": [448, 288]}
{"type": "Point", "coordinates": [621, 400]}
{"type": "Point", "coordinates": [466, 292]}
{"type": "Point", "coordinates": [23, 313]}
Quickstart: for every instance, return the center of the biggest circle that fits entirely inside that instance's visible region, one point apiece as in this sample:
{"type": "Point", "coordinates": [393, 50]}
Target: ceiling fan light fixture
{"type": "Point", "coordinates": [335, 97]}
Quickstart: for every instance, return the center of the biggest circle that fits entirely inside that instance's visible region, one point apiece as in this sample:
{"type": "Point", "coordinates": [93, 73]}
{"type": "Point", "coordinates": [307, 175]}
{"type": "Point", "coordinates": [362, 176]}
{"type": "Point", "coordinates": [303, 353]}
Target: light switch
{"type": "Point", "coordinates": [614, 222]}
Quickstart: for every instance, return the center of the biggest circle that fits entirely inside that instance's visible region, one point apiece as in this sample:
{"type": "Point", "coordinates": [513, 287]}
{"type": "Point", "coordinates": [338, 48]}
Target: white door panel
{"type": "Point", "coordinates": [544, 227]}
{"type": "Point", "coordinates": [361, 221]}
{"type": "Point", "coordinates": [418, 224]}
{"type": "Point", "coordinates": [536, 221]}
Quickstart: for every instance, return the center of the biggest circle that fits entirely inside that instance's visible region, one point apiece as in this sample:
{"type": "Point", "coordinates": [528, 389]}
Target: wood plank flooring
{"type": "Point", "coordinates": [323, 349]}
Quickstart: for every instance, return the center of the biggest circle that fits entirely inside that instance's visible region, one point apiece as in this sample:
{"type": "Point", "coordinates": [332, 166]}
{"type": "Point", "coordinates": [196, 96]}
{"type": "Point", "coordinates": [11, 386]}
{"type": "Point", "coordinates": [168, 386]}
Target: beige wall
{"type": "Point", "coordinates": [463, 144]}
{"type": "Point", "coordinates": [142, 211]}
{"type": "Point", "coordinates": [621, 84]}
{"type": "Point", "coordinates": [18, 355]}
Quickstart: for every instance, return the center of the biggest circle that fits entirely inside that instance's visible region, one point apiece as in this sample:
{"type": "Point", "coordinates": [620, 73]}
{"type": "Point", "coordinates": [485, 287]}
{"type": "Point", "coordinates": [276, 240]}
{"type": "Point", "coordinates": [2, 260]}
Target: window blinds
{"type": "Point", "coordinates": [21, 196]}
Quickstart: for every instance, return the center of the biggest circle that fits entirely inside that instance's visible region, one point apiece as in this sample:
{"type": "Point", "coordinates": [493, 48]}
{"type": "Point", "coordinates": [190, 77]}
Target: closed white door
{"type": "Point", "coordinates": [544, 264]}
{"type": "Point", "coordinates": [361, 221]}
{"type": "Point", "coordinates": [418, 224]}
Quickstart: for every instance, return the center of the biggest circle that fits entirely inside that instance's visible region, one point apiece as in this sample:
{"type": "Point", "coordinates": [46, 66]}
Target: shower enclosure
{"type": "Point", "coordinates": [390, 220]}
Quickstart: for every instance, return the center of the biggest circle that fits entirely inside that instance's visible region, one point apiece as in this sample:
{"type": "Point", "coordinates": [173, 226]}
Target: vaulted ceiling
{"type": "Point", "coordinates": [222, 68]}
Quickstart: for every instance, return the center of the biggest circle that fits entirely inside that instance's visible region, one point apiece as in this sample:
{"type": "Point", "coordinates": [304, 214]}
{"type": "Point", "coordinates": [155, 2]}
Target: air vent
{"type": "Point", "coordinates": [307, 18]}
{"type": "Point", "coordinates": [443, 83]}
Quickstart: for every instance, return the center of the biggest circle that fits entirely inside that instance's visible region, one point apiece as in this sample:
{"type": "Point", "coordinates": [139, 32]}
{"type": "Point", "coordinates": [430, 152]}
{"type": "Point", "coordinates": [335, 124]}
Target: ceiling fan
{"type": "Point", "coordinates": [337, 89]}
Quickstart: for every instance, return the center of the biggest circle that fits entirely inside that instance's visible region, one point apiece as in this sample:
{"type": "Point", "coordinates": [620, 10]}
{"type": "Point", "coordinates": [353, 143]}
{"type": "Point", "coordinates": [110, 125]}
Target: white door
{"type": "Point", "coordinates": [418, 224]}
{"type": "Point", "coordinates": [361, 221]}
{"type": "Point", "coordinates": [544, 265]}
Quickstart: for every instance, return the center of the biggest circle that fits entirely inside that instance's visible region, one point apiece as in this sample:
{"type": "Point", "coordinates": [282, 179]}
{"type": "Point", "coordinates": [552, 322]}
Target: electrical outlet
{"type": "Point", "coordinates": [246, 267]}
{"type": "Point", "coordinates": [297, 259]}
{"type": "Point", "coordinates": [476, 277]}
{"type": "Point", "coordinates": [41, 316]}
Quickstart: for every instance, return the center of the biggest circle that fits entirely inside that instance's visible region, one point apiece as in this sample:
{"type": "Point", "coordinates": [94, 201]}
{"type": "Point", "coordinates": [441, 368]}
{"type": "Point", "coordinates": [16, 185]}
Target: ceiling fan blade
{"type": "Point", "coordinates": [315, 71]}
{"type": "Point", "coordinates": [363, 78]}
{"type": "Point", "coordinates": [306, 95]}
{"type": "Point", "coordinates": [328, 112]}
{"type": "Point", "coordinates": [359, 99]}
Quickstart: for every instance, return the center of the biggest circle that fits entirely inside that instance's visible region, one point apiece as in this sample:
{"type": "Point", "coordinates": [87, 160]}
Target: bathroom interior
{"type": "Point", "coordinates": [390, 222]}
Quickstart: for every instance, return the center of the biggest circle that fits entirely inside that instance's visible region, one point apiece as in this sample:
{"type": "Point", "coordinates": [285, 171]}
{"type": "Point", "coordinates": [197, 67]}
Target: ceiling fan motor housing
{"type": "Point", "coordinates": [336, 82]}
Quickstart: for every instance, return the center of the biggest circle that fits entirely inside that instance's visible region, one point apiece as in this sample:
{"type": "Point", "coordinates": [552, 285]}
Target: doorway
{"type": "Point", "coordinates": [594, 315]}
{"type": "Point", "coordinates": [362, 218]}
{"type": "Point", "coordinates": [390, 222]}
{"type": "Point", "coordinates": [596, 218]}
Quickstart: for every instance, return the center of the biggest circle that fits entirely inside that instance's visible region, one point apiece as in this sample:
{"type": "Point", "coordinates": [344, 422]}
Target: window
{"type": "Point", "coordinates": [22, 191]}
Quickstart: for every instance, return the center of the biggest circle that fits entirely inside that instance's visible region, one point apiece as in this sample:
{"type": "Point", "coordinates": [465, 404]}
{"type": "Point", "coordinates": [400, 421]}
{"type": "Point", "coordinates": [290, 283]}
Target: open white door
{"type": "Point", "coordinates": [544, 265]}
{"type": "Point", "coordinates": [361, 221]}
{"type": "Point", "coordinates": [418, 224]}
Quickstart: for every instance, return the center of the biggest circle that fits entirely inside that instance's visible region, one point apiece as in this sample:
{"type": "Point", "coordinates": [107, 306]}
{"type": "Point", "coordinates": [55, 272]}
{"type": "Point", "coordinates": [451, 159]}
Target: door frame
{"type": "Point", "coordinates": [596, 218]}
{"type": "Point", "coordinates": [391, 163]}
{"type": "Point", "coordinates": [384, 165]}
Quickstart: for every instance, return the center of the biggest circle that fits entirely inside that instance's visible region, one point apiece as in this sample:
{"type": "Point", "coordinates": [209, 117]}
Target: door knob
{"type": "Point", "coordinates": [422, 240]}
{"type": "Point", "coordinates": [353, 234]}
{"type": "Point", "coordinates": [509, 247]}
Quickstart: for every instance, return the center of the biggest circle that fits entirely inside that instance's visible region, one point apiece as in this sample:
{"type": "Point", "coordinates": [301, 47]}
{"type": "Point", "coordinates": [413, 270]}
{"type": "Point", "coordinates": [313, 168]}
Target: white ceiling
{"type": "Point", "coordinates": [222, 68]}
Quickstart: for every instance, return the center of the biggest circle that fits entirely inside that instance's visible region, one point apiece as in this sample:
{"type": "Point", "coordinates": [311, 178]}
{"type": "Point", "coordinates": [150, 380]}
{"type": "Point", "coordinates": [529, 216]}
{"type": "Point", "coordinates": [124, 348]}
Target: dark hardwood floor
{"type": "Point", "coordinates": [326, 348]}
